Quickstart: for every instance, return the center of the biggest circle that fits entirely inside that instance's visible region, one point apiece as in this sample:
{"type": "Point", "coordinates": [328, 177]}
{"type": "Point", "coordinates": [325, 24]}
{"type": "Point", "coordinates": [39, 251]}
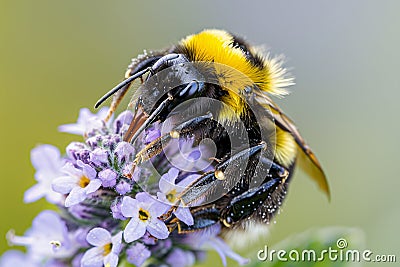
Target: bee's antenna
{"type": "Point", "coordinates": [121, 85]}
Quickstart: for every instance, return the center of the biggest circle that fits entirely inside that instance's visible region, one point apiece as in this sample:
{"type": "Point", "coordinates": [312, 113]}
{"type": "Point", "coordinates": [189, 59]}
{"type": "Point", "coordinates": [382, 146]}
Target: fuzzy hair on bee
{"type": "Point", "coordinates": [245, 80]}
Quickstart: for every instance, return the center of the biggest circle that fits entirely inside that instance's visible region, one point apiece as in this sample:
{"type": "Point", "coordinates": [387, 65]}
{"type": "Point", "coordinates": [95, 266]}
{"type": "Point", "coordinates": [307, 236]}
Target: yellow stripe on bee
{"type": "Point", "coordinates": [216, 46]}
{"type": "Point", "coordinates": [285, 147]}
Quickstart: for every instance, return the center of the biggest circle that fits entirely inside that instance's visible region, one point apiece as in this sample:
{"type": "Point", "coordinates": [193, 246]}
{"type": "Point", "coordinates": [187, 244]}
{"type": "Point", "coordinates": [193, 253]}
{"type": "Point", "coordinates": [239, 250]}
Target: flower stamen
{"type": "Point", "coordinates": [83, 181]}
{"type": "Point", "coordinates": [144, 215]}
{"type": "Point", "coordinates": [171, 196]}
{"type": "Point", "coordinates": [107, 249]}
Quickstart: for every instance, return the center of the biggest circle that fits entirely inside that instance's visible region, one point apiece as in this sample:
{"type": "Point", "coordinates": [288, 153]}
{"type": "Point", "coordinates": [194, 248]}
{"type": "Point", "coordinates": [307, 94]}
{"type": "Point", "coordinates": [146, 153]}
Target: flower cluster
{"type": "Point", "coordinates": [110, 212]}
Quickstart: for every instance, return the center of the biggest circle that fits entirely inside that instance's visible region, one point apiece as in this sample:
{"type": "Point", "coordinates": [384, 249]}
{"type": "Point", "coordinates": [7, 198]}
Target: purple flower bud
{"type": "Point", "coordinates": [124, 151]}
{"type": "Point", "coordinates": [108, 178]}
{"type": "Point", "coordinates": [73, 148]}
{"type": "Point", "coordinates": [99, 156]}
{"type": "Point", "coordinates": [116, 211]}
{"type": "Point", "coordinates": [123, 187]}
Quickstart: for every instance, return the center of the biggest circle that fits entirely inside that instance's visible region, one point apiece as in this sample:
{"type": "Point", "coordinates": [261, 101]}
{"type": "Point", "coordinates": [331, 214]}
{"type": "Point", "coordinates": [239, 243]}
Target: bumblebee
{"type": "Point", "coordinates": [250, 176]}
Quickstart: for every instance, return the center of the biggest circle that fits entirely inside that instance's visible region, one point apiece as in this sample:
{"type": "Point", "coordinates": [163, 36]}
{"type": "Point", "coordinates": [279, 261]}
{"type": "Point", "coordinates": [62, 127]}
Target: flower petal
{"type": "Point", "coordinates": [76, 196]}
{"type": "Point", "coordinates": [167, 181]}
{"type": "Point", "coordinates": [88, 171]}
{"type": "Point", "coordinates": [46, 157]}
{"type": "Point", "coordinates": [224, 250]}
{"type": "Point", "coordinates": [111, 260]}
{"type": "Point", "coordinates": [98, 237]}
{"type": "Point", "coordinates": [134, 230]}
{"type": "Point", "coordinates": [183, 214]}
{"type": "Point", "coordinates": [93, 258]}
{"type": "Point", "coordinates": [145, 197]}
{"type": "Point", "coordinates": [64, 184]}
{"type": "Point", "coordinates": [93, 186]}
{"type": "Point", "coordinates": [158, 229]}
{"type": "Point", "coordinates": [129, 207]}
{"type": "Point", "coordinates": [116, 241]}
{"type": "Point", "coordinates": [34, 193]}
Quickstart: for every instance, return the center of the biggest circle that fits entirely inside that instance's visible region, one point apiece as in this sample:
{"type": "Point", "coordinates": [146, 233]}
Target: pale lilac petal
{"type": "Point", "coordinates": [102, 113]}
{"type": "Point", "coordinates": [71, 170]}
{"type": "Point", "coordinates": [129, 207]}
{"type": "Point", "coordinates": [93, 258]}
{"type": "Point", "coordinates": [14, 258]}
{"type": "Point", "coordinates": [42, 190]}
{"type": "Point", "coordinates": [224, 250]}
{"type": "Point", "coordinates": [116, 241]}
{"type": "Point", "coordinates": [167, 181]}
{"type": "Point", "coordinates": [34, 193]}
{"type": "Point", "coordinates": [134, 230]}
{"type": "Point", "coordinates": [98, 237]}
{"type": "Point", "coordinates": [46, 157]}
{"type": "Point", "coordinates": [48, 223]}
{"type": "Point", "coordinates": [158, 229]}
{"type": "Point", "coordinates": [76, 196]}
{"type": "Point", "coordinates": [71, 128]}
{"type": "Point", "coordinates": [53, 197]}
{"type": "Point", "coordinates": [88, 171]}
{"type": "Point", "coordinates": [93, 186]}
{"type": "Point", "coordinates": [158, 208]}
{"type": "Point", "coordinates": [145, 197]}
{"type": "Point", "coordinates": [64, 184]}
{"type": "Point", "coordinates": [85, 117]}
{"type": "Point", "coordinates": [111, 260]}
{"type": "Point", "coordinates": [180, 258]}
{"type": "Point", "coordinates": [183, 214]}
{"type": "Point", "coordinates": [137, 254]}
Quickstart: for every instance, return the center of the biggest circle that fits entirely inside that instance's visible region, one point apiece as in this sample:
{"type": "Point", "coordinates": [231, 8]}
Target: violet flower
{"type": "Point", "coordinates": [170, 191]}
{"type": "Point", "coordinates": [47, 238]}
{"type": "Point", "coordinates": [144, 212]}
{"type": "Point", "coordinates": [106, 250]}
{"type": "Point", "coordinates": [48, 162]}
{"type": "Point", "coordinates": [78, 184]}
{"type": "Point", "coordinates": [85, 121]}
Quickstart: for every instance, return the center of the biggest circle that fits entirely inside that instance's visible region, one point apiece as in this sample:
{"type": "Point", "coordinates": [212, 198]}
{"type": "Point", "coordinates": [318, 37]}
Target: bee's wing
{"type": "Point", "coordinates": [306, 158]}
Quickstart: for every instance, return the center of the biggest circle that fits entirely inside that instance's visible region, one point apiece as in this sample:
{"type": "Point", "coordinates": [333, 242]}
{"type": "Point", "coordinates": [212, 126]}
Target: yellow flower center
{"type": "Point", "coordinates": [144, 215]}
{"type": "Point", "coordinates": [171, 196]}
{"type": "Point", "coordinates": [107, 249]}
{"type": "Point", "coordinates": [83, 181]}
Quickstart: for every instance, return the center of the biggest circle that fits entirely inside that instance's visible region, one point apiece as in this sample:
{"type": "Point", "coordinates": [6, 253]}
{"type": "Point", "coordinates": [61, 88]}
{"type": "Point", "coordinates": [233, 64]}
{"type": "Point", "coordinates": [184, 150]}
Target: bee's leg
{"type": "Point", "coordinates": [223, 176]}
{"type": "Point", "coordinates": [204, 216]}
{"type": "Point", "coordinates": [183, 130]}
{"type": "Point", "coordinates": [261, 202]}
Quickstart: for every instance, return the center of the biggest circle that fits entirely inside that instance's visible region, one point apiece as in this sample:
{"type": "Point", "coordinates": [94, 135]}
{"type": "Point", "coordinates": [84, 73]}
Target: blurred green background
{"type": "Point", "coordinates": [59, 56]}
